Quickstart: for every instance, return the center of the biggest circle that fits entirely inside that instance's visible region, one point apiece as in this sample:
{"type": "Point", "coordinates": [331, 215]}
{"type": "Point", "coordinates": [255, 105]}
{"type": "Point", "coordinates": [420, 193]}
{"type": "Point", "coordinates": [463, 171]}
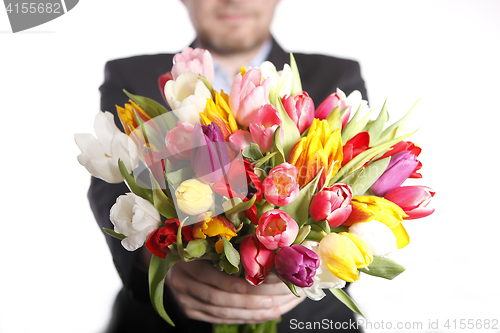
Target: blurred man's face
{"type": "Point", "coordinates": [227, 26]}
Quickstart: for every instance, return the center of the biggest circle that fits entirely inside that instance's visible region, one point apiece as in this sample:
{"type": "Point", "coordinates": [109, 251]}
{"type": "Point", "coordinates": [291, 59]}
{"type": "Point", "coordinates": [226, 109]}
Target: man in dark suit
{"type": "Point", "coordinates": [235, 32]}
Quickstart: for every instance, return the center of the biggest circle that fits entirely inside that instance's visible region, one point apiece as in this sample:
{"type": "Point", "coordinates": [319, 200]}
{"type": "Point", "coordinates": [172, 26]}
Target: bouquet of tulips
{"type": "Point", "coordinates": [258, 181]}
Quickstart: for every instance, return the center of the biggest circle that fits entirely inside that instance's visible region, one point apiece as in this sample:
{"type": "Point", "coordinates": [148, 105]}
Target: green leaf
{"type": "Point", "coordinates": [227, 266]}
{"type": "Point", "coordinates": [232, 255]}
{"type": "Point", "coordinates": [383, 267]}
{"type": "Point", "coordinates": [368, 175]}
{"type": "Point", "coordinates": [299, 208]}
{"type": "Point", "coordinates": [180, 247]}
{"type": "Point", "coordinates": [365, 156]}
{"type": "Point", "coordinates": [207, 84]}
{"type": "Point", "coordinates": [163, 204]}
{"type": "Point", "coordinates": [303, 232]}
{"type": "Point", "coordinates": [353, 127]}
{"type": "Point", "coordinates": [114, 234]}
{"type": "Point", "coordinates": [259, 162]}
{"type": "Point", "coordinates": [277, 148]}
{"type": "Point", "coordinates": [177, 177]}
{"type": "Point", "coordinates": [197, 247]}
{"type": "Point", "coordinates": [132, 185]}
{"type": "Point", "coordinates": [158, 269]}
{"type": "Point", "coordinates": [344, 298]}
{"type": "Point", "coordinates": [252, 152]}
{"type": "Point", "coordinates": [151, 107]}
{"type": "Point", "coordinates": [241, 206]}
{"type": "Point", "coordinates": [296, 83]}
{"type": "Point", "coordinates": [334, 119]}
{"type": "Point", "coordinates": [375, 128]}
{"type": "Point", "coordinates": [291, 133]}
{"type": "Point", "coordinates": [390, 132]}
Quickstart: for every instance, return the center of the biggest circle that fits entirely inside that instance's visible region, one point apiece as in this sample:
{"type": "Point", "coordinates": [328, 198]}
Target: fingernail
{"type": "Point", "coordinates": [239, 288]}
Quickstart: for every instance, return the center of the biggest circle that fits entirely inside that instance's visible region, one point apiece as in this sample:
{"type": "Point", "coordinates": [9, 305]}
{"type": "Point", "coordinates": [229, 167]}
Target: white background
{"type": "Point", "coordinates": [56, 274]}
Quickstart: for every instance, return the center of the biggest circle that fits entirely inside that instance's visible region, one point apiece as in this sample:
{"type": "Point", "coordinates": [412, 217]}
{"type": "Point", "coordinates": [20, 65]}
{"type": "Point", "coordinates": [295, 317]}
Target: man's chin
{"type": "Point", "coordinates": [231, 45]}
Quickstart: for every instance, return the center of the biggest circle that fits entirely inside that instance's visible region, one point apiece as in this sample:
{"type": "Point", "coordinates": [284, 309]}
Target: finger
{"type": "Point", "coordinates": [205, 272]}
{"type": "Point", "coordinates": [269, 289]}
{"type": "Point", "coordinates": [290, 305]}
{"type": "Point", "coordinates": [210, 295]}
{"type": "Point", "coordinates": [198, 315]}
{"type": "Point", "coordinates": [233, 313]}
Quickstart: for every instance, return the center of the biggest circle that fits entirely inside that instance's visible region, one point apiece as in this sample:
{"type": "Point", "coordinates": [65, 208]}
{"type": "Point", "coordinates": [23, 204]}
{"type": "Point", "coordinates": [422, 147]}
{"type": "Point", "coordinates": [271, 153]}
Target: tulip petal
{"type": "Point", "coordinates": [402, 237]}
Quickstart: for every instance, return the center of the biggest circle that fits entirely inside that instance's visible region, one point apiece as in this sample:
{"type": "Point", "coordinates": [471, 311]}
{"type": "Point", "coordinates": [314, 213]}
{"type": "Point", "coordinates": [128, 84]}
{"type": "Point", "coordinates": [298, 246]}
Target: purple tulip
{"type": "Point", "coordinates": [210, 156]}
{"type": "Point", "coordinates": [399, 169]}
{"type": "Point", "coordinates": [297, 264]}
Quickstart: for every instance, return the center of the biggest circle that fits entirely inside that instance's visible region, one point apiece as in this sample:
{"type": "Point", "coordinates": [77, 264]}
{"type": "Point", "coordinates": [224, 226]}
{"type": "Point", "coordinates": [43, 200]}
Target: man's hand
{"type": "Point", "coordinates": [206, 294]}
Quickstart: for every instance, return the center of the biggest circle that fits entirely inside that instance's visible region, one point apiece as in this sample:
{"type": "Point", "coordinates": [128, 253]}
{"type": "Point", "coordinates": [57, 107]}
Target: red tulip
{"type": "Point", "coordinates": [413, 200]}
{"type": "Point", "coordinates": [256, 259]}
{"type": "Point", "coordinates": [332, 204]}
{"type": "Point", "coordinates": [166, 235]}
{"type": "Point", "coordinates": [358, 144]}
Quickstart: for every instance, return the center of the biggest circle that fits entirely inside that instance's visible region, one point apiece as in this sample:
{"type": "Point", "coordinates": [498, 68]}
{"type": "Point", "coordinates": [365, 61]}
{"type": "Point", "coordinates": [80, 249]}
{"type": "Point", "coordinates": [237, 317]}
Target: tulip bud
{"type": "Point", "coordinates": [339, 99]}
{"type": "Point", "coordinates": [297, 264]}
{"type": "Point", "coordinates": [413, 200]}
{"type": "Point", "coordinates": [377, 236]}
{"type": "Point", "coordinates": [264, 125]}
{"type": "Point", "coordinates": [248, 94]}
{"type": "Point", "coordinates": [280, 186]}
{"type": "Point", "coordinates": [166, 235]}
{"type": "Point", "coordinates": [256, 259]}
{"type": "Point", "coordinates": [276, 229]}
{"type": "Point", "coordinates": [399, 169]}
{"type": "Point", "coordinates": [210, 157]}
{"type": "Point", "coordinates": [198, 61]}
{"type": "Point", "coordinates": [178, 140]}
{"type": "Point", "coordinates": [300, 108]}
{"type": "Point", "coordinates": [194, 197]}
{"type": "Point", "coordinates": [332, 204]}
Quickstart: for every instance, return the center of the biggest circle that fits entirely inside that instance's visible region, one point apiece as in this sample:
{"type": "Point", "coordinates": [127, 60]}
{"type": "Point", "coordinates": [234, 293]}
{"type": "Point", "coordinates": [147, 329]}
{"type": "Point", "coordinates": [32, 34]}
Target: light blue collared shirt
{"type": "Point", "coordinates": [223, 80]}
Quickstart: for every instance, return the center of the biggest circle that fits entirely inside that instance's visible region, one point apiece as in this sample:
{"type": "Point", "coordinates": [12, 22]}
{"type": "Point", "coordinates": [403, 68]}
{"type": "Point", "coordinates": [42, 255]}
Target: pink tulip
{"type": "Point", "coordinates": [276, 229]}
{"type": "Point", "coordinates": [265, 124]}
{"type": "Point", "coordinates": [248, 94]}
{"type": "Point", "coordinates": [241, 138]}
{"type": "Point", "coordinates": [280, 186]}
{"type": "Point", "coordinates": [297, 264]}
{"type": "Point", "coordinates": [332, 204]}
{"type": "Point", "coordinates": [256, 259]}
{"type": "Point", "coordinates": [413, 200]}
{"type": "Point", "coordinates": [300, 108]}
{"type": "Point", "coordinates": [338, 99]}
{"type": "Point", "coordinates": [178, 140]}
{"type": "Point", "coordinates": [198, 61]}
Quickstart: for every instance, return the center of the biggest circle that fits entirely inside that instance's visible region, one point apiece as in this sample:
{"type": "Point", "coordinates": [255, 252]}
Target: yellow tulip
{"type": "Point", "coordinates": [127, 116]}
{"type": "Point", "coordinates": [343, 254]}
{"type": "Point", "coordinates": [194, 197]}
{"type": "Point", "coordinates": [219, 113]}
{"type": "Point", "coordinates": [215, 226]}
{"type": "Point", "coordinates": [366, 208]}
{"type": "Point", "coordinates": [321, 148]}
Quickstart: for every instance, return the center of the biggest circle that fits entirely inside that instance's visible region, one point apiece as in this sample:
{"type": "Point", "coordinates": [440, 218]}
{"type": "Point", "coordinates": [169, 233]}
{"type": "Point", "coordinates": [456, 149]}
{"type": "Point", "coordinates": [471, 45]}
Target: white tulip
{"type": "Point", "coordinates": [100, 155]}
{"type": "Point", "coordinates": [377, 236]}
{"type": "Point", "coordinates": [323, 279]}
{"type": "Point", "coordinates": [187, 96]}
{"type": "Point", "coordinates": [281, 81]}
{"type": "Point", "coordinates": [135, 218]}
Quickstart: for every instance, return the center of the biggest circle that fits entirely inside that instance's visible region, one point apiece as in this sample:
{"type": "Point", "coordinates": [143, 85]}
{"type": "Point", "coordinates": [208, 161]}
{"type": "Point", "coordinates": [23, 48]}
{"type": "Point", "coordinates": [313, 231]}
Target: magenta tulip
{"type": "Point", "coordinates": [300, 108]}
{"type": "Point", "coordinates": [264, 125]}
{"type": "Point", "coordinates": [256, 259]}
{"type": "Point", "coordinates": [413, 200]}
{"type": "Point", "coordinates": [332, 204]}
{"type": "Point", "coordinates": [399, 169]}
{"type": "Point", "coordinates": [297, 264]}
{"type": "Point", "coordinates": [280, 186]}
{"type": "Point", "coordinates": [276, 229]}
{"type": "Point", "coordinates": [248, 94]}
{"type": "Point", "coordinates": [210, 156]}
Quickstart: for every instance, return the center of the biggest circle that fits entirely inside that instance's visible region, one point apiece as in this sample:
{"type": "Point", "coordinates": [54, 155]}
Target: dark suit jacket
{"type": "Point", "coordinates": [132, 312]}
